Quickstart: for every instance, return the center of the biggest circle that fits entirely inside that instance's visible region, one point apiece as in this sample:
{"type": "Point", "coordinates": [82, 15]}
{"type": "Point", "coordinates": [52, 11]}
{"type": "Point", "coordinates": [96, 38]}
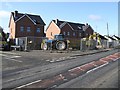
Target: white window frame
{"type": "Point", "coordinates": [80, 34]}
{"type": "Point", "coordinates": [64, 33]}
{"type": "Point", "coordinates": [74, 34]}
{"type": "Point", "coordinates": [38, 30]}
{"type": "Point", "coordinates": [28, 29]}
{"type": "Point", "coordinates": [21, 28]}
{"type": "Point", "coordinates": [68, 33]}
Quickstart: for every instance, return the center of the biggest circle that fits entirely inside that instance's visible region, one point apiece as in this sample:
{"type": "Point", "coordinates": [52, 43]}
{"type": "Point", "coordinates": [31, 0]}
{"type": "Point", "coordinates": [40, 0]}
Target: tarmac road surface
{"type": "Point", "coordinates": [29, 76]}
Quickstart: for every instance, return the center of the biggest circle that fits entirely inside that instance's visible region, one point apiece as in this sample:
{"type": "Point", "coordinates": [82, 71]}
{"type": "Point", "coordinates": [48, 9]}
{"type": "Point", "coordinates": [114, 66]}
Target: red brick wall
{"type": "Point", "coordinates": [26, 22]}
{"type": "Point", "coordinates": [67, 29]}
{"type": "Point", "coordinates": [89, 31]}
{"type": "Point", "coordinates": [52, 30]}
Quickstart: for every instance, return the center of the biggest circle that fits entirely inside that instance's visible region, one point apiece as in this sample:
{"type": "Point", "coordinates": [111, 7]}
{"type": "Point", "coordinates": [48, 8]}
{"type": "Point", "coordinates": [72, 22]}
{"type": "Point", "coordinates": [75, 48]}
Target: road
{"type": "Point", "coordinates": [23, 77]}
{"type": "Point", "coordinates": [105, 77]}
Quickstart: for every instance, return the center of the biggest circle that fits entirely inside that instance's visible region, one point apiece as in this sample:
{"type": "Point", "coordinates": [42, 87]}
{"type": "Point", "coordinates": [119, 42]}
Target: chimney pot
{"type": "Point", "coordinates": [56, 21]}
{"type": "Point", "coordinates": [86, 23]}
{"type": "Point", "coordinates": [16, 12]}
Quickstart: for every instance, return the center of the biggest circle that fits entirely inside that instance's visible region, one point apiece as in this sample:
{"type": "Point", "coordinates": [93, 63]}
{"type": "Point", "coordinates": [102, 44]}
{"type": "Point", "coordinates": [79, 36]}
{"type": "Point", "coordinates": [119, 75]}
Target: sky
{"type": "Point", "coordinates": [96, 14]}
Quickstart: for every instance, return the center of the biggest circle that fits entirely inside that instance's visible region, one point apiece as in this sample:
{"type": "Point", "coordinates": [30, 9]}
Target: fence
{"type": "Point", "coordinates": [34, 43]}
{"type": "Point", "coordinates": [83, 44]}
{"type": "Point", "coordinates": [29, 43]}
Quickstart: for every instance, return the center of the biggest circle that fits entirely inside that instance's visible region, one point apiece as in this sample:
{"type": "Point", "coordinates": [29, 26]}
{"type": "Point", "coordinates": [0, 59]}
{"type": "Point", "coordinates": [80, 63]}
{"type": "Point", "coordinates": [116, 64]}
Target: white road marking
{"type": "Point", "coordinates": [96, 68]}
{"type": "Point", "coordinates": [48, 60]}
{"type": "Point", "coordinates": [103, 60]}
{"type": "Point", "coordinates": [58, 60]}
{"type": "Point", "coordinates": [62, 76]}
{"type": "Point", "coordinates": [74, 69]}
{"type": "Point", "coordinates": [109, 57]}
{"type": "Point", "coordinates": [7, 52]}
{"type": "Point", "coordinates": [116, 59]}
{"type": "Point", "coordinates": [9, 56]}
{"type": "Point", "coordinates": [28, 84]}
{"type": "Point", "coordinates": [15, 56]}
{"type": "Point", "coordinates": [52, 61]}
{"type": "Point", "coordinates": [53, 86]}
{"type": "Point", "coordinates": [13, 59]}
{"type": "Point", "coordinates": [3, 54]}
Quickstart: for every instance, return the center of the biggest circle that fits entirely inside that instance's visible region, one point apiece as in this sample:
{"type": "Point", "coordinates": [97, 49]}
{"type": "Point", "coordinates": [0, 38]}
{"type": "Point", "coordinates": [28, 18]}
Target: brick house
{"type": "Point", "coordinates": [68, 29]}
{"type": "Point", "coordinates": [25, 29]}
{"type": "Point", "coordinates": [23, 25]}
{"type": "Point", "coordinates": [71, 31]}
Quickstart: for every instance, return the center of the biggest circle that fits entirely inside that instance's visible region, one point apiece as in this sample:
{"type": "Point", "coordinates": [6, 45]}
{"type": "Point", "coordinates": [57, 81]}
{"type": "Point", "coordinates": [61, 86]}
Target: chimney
{"type": "Point", "coordinates": [16, 12]}
{"type": "Point", "coordinates": [86, 24]}
{"type": "Point", "coordinates": [56, 21]}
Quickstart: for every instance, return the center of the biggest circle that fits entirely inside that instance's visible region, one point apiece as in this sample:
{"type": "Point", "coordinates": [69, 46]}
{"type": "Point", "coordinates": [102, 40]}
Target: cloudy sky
{"type": "Point", "coordinates": [97, 14]}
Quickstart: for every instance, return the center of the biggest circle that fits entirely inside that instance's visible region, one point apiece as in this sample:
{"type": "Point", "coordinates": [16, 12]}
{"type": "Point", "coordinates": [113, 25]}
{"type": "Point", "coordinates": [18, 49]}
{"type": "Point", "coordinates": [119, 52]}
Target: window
{"type": "Point", "coordinates": [79, 27]}
{"type": "Point", "coordinates": [86, 34]}
{"type": "Point", "coordinates": [64, 33]}
{"type": "Point", "coordinates": [34, 20]}
{"type": "Point", "coordinates": [21, 28]}
{"type": "Point", "coordinates": [73, 33]}
{"type": "Point", "coordinates": [79, 34]}
{"type": "Point", "coordinates": [38, 30]}
{"type": "Point", "coordinates": [68, 33]}
{"type": "Point", "coordinates": [28, 29]}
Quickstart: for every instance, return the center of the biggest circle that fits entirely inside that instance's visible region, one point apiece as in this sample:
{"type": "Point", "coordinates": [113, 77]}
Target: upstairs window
{"type": "Point", "coordinates": [34, 20]}
{"type": "Point", "coordinates": [79, 27]}
{"type": "Point", "coordinates": [21, 28]}
{"type": "Point", "coordinates": [38, 30]}
{"type": "Point", "coordinates": [73, 33]}
{"type": "Point", "coordinates": [28, 29]}
{"type": "Point", "coordinates": [80, 34]}
{"type": "Point", "coordinates": [64, 33]}
{"type": "Point", "coordinates": [68, 33]}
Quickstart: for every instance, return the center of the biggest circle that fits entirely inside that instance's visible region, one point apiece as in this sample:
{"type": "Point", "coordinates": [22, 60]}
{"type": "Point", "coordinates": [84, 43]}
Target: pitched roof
{"type": "Point", "coordinates": [102, 37]}
{"type": "Point", "coordinates": [34, 18]}
{"type": "Point", "coordinates": [1, 29]}
{"type": "Point", "coordinates": [110, 37]}
{"type": "Point", "coordinates": [117, 37]}
{"type": "Point", "coordinates": [74, 26]}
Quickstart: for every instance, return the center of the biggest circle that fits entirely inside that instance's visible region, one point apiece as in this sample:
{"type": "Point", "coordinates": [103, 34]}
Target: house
{"type": "Point", "coordinates": [111, 42]}
{"type": "Point", "coordinates": [117, 40]}
{"type": "Point", "coordinates": [102, 41]}
{"type": "Point", "coordinates": [94, 41]}
{"type": "Point", "coordinates": [23, 25]}
{"type": "Point", "coordinates": [68, 29]}
{"type": "Point", "coordinates": [25, 28]}
{"type": "Point", "coordinates": [71, 31]}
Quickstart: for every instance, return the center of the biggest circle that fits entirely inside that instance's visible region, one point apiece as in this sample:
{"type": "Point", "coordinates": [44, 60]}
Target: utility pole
{"type": "Point", "coordinates": [96, 36]}
{"type": "Point", "coordinates": [107, 29]}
